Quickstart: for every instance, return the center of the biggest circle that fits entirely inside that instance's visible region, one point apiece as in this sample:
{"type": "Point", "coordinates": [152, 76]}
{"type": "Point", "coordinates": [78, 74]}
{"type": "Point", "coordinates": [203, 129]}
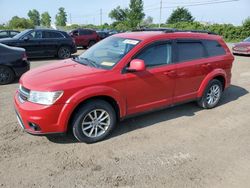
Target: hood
{"type": "Point", "coordinates": [57, 76]}
{"type": "Point", "coordinates": [242, 44]}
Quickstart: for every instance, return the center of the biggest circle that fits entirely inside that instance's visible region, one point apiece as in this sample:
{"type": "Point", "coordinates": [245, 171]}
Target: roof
{"type": "Point", "coordinates": [145, 35]}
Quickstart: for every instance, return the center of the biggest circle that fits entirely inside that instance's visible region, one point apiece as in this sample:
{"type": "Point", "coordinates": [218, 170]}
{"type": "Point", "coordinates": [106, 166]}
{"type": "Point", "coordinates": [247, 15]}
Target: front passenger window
{"type": "Point", "coordinates": [156, 55]}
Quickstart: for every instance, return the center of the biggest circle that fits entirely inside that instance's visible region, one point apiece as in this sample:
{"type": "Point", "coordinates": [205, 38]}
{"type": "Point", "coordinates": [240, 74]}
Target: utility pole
{"type": "Point", "coordinates": [70, 19]}
{"type": "Point", "coordinates": [160, 14]}
{"type": "Point", "coordinates": [101, 17]}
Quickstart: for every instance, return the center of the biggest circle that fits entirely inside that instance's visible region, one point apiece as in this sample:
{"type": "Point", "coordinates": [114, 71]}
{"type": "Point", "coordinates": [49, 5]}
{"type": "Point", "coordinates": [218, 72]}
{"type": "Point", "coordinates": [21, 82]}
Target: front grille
{"type": "Point", "coordinates": [23, 93]}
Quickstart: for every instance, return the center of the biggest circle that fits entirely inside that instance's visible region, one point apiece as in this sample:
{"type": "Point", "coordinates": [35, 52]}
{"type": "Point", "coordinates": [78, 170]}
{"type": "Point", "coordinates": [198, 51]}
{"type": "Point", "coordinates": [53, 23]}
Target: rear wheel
{"type": "Point", "coordinates": [64, 52]}
{"type": "Point", "coordinates": [91, 43]}
{"type": "Point", "coordinates": [94, 121]}
{"type": "Point", "coordinates": [212, 95]}
{"type": "Point", "coordinates": [6, 75]}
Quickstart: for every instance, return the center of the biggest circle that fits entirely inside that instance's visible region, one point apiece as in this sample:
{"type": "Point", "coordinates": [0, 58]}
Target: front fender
{"type": "Point", "coordinates": [208, 78]}
{"type": "Point", "coordinates": [87, 93]}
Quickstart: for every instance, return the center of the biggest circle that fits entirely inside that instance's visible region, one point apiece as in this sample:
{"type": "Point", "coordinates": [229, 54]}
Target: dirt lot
{"type": "Point", "coordinates": [183, 146]}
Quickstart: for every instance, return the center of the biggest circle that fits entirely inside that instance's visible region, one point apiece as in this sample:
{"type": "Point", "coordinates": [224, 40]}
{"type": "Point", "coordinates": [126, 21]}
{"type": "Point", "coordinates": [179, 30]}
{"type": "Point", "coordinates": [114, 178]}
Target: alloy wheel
{"type": "Point", "coordinates": [96, 123]}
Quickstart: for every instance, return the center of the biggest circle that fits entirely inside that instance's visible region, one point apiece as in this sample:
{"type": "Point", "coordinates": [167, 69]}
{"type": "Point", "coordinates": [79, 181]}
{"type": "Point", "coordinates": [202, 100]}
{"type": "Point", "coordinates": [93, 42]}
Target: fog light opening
{"type": "Point", "coordinates": [34, 126]}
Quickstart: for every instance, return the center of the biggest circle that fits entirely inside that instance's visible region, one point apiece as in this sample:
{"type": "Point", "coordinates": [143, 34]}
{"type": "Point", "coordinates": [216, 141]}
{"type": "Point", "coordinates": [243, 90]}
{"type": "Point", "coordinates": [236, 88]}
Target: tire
{"type": "Point", "coordinates": [96, 127]}
{"type": "Point", "coordinates": [6, 75]}
{"type": "Point", "coordinates": [212, 95]}
{"type": "Point", "coordinates": [91, 43]}
{"type": "Point", "coordinates": [64, 52]}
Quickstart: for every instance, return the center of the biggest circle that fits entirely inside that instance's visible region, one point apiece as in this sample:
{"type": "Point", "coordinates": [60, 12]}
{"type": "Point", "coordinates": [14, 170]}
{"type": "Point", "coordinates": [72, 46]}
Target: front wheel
{"type": "Point", "coordinates": [212, 95]}
{"type": "Point", "coordinates": [94, 121]}
{"type": "Point", "coordinates": [64, 52]}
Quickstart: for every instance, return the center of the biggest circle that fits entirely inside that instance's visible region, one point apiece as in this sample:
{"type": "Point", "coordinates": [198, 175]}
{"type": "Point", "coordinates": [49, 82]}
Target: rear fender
{"type": "Point", "coordinates": [208, 78]}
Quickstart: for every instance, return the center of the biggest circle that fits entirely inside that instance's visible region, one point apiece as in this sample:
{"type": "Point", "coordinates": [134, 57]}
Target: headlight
{"type": "Point", "coordinates": [45, 98]}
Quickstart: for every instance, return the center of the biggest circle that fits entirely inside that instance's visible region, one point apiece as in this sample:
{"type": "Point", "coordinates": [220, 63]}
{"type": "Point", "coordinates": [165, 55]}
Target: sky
{"type": "Point", "coordinates": [88, 12]}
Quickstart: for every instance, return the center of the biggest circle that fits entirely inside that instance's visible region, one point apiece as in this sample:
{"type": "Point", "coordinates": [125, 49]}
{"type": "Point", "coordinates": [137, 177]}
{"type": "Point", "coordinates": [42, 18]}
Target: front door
{"type": "Point", "coordinates": [154, 87]}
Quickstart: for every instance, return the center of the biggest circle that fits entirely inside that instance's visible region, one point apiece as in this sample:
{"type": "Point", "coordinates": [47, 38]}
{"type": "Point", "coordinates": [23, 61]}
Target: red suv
{"type": "Point", "coordinates": [85, 37]}
{"type": "Point", "coordinates": [123, 75]}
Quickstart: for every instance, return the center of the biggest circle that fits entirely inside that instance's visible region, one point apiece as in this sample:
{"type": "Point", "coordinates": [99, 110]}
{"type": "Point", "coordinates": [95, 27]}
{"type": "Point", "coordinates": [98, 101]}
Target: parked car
{"type": "Point", "coordinates": [121, 76]}
{"type": "Point", "coordinates": [8, 33]}
{"type": "Point", "coordinates": [102, 34]}
{"type": "Point", "coordinates": [84, 37]}
{"type": "Point", "coordinates": [43, 43]}
{"type": "Point", "coordinates": [13, 63]}
{"type": "Point", "coordinates": [242, 48]}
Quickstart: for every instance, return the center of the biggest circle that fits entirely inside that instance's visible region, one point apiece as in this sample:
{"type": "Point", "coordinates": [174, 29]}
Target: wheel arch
{"type": "Point", "coordinates": [82, 97]}
{"type": "Point", "coordinates": [218, 74]}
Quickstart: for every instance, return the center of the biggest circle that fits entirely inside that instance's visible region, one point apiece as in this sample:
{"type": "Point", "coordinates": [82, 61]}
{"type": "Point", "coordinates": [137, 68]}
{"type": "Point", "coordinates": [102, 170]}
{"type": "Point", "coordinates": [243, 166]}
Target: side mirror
{"type": "Point", "coordinates": [136, 65]}
{"type": "Point", "coordinates": [26, 38]}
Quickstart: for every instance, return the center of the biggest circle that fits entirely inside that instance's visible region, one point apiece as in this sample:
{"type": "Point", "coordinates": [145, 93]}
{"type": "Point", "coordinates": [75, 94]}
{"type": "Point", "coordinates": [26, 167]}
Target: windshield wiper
{"type": "Point", "coordinates": [76, 59]}
{"type": "Point", "coordinates": [89, 61]}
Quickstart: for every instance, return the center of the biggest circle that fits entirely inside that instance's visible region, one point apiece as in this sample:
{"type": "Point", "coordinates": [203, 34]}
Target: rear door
{"type": "Point", "coordinates": [191, 68]}
{"type": "Point", "coordinates": [51, 41]}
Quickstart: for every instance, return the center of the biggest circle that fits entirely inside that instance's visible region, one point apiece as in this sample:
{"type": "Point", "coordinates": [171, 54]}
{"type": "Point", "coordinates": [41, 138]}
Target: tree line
{"type": "Point", "coordinates": [133, 17]}
{"type": "Point", "coordinates": [36, 19]}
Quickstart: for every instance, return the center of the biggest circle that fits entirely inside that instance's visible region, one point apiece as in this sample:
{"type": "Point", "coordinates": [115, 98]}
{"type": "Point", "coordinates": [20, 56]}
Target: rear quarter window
{"type": "Point", "coordinates": [213, 48]}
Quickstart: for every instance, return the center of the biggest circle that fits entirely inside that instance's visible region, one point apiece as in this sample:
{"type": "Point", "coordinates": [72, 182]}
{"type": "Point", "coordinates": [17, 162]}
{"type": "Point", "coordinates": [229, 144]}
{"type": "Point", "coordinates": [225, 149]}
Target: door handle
{"type": "Point", "coordinates": [170, 73]}
{"type": "Point", "coordinates": [206, 65]}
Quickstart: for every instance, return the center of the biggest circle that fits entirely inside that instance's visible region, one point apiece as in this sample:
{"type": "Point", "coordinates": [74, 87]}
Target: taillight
{"type": "Point", "coordinates": [24, 58]}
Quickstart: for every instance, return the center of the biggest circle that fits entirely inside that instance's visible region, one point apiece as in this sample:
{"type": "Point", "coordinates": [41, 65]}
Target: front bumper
{"type": "Point", "coordinates": [48, 119]}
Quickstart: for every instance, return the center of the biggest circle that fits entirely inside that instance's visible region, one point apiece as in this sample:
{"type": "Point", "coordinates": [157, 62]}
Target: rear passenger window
{"type": "Point", "coordinates": [52, 35]}
{"type": "Point", "coordinates": [3, 34]}
{"type": "Point", "coordinates": [213, 48]}
{"type": "Point", "coordinates": [158, 54]}
{"type": "Point", "coordinates": [190, 51]}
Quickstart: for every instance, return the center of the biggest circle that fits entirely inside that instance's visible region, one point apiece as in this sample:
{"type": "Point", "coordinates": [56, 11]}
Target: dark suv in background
{"type": "Point", "coordinates": [85, 37]}
{"type": "Point", "coordinates": [43, 43]}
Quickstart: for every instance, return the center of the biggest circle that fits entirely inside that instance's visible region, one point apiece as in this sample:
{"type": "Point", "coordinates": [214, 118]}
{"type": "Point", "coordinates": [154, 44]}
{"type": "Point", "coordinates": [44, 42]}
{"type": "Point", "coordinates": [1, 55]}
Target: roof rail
{"type": "Point", "coordinates": [172, 30]}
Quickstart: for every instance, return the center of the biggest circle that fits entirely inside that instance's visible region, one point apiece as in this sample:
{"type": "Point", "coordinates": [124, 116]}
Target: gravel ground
{"type": "Point", "coordinates": [183, 146]}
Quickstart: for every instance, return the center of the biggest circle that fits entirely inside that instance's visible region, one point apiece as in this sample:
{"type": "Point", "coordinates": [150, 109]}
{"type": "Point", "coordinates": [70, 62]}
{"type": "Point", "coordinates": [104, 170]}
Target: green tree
{"type": "Point", "coordinates": [119, 14]}
{"type": "Point", "coordinates": [34, 16]}
{"type": "Point", "coordinates": [136, 14]}
{"type": "Point", "coordinates": [61, 17]}
{"type": "Point", "coordinates": [180, 14]}
{"type": "Point", "coordinates": [148, 21]}
{"type": "Point", "coordinates": [21, 23]}
{"type": "Point", "coordinates": [45, 19]}
{"type": "Point", "coordinates": [128, 18]}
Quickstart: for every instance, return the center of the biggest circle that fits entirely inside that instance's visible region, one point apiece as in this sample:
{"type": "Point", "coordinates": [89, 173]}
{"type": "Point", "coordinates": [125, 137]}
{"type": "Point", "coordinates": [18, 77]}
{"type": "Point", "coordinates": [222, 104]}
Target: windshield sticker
{"type": "Point", "coordinates": [105, 63]}
{"type": "Point", "coordinates": [129, 41]}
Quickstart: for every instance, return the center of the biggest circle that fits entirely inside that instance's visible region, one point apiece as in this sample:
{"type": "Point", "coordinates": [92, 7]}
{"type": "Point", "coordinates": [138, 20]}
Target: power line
{"type": "Point", "coordinates": [196, 4]}
{"type": "Point", "coordinates": [160, 14]}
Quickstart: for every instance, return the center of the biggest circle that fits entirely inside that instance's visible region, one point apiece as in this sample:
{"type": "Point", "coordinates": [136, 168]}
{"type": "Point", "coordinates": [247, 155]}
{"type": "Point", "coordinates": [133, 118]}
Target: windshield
{"type": "Point", "coordinates": [21, 34]}
{"type": "Point", "coordinates": [107, 53]}
{"type": "Point", "coordinates": [247, 39]}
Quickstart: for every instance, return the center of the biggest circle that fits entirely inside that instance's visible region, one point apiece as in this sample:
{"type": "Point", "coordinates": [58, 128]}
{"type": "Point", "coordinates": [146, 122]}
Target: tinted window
{"type": "Point", "coordinates": [3, 34]}
{"type": "Point", "coordinates": [51, 34]}
{"type": "Point", "coordinates": [13, 33]}
{"type": "Point", "coordinates": [85, 32]}
{"type": "Point", "coordinates": [35, 35]}
{"type": "Point", "coordinates": [158, 54]}
{"type": "Point", "coordinates": [213, 48]}
{"type": "Point", "coordinates": [190, 51]}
